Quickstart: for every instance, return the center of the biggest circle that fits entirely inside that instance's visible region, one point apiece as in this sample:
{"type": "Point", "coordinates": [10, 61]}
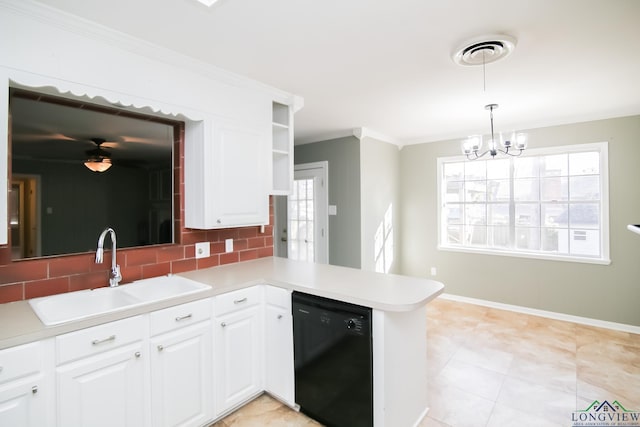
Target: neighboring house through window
{"type": "Point", "coordinates": [547, 203]}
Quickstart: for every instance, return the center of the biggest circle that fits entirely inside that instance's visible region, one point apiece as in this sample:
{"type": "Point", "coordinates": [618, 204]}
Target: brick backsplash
{"type": "Point", "coordinates": [29, 278]}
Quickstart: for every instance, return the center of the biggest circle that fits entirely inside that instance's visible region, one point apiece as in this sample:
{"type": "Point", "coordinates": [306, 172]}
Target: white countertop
{"type": "Point", "coordinates": [386, 292]}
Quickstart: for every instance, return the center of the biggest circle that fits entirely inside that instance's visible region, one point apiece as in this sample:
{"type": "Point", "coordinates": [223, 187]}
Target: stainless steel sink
{"type": "Point", "coordinates": [73, 306]}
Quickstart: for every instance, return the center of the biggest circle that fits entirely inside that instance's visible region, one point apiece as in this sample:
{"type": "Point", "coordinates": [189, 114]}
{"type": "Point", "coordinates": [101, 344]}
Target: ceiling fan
{"type": "Point", "coordinates": [99, 159]}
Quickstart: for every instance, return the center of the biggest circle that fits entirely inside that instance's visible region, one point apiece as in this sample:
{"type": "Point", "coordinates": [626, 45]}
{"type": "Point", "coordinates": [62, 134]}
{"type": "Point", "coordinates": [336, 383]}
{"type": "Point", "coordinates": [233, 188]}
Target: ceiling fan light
{"type": "Point", "coordinates": [98, 165]}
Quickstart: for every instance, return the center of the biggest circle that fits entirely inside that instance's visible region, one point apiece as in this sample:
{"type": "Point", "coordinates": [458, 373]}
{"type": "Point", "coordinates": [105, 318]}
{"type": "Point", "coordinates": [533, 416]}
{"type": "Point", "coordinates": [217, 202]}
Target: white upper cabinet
{"type": "Point", "coordinates": [226, 174]}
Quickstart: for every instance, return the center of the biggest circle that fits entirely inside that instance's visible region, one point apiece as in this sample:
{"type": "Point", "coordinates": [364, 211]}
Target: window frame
{"type": "Point", "coordinates": [604, 259]}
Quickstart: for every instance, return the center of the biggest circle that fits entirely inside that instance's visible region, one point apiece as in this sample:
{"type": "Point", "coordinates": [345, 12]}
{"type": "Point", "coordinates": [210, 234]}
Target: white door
{"type": "Point", "coordinates": [308, 214]}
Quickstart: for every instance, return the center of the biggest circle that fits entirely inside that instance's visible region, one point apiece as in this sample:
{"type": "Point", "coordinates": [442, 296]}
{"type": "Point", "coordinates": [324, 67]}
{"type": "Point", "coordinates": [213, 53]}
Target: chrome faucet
{"type": "Point", "coordinates": [114, 276]}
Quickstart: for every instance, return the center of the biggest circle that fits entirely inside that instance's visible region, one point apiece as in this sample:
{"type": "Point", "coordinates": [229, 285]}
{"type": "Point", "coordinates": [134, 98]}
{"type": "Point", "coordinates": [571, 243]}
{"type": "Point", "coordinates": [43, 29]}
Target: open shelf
{"type": "Point", "coordinates": [281, 148]}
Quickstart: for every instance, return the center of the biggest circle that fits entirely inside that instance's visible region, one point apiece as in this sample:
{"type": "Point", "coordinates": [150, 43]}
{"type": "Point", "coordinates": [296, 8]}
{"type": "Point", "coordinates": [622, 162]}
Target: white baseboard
{"type": "Point", "coordinates": [548, 314]}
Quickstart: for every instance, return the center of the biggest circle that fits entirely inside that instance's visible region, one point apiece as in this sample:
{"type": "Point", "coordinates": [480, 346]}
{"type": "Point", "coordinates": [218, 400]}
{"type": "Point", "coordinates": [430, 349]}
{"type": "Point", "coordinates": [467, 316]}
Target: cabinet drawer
{"type": "Point", "coordinates": [237, 300]}
{"type": "Point", "coordinates": [97, 339]}
{"type": "Point", "coordinates": [278, 296]}
{"type": "Point", "coordinates": [20, 361]}
{"type": "Point", "coordinates": [179, 316]}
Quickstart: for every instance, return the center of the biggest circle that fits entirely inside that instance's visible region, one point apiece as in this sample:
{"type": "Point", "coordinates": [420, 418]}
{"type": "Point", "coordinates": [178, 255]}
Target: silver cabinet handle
{"type": "Point", "coordinates": [240, 301]}
{"type": "Point", "coordinates": [179, 318]}
{"type": "Point", "coordinates": [104, 340]}
{"type": "Point", "coordinates": [137, 354]}
{"type": "Point", "coordinates": [1, 368]}
{"type": "Point", "coordinates": [279, 316]}
{"type": "Point", "coordinates": [160, 347]}
{"type": "Point", "coordinates": [34, 389]}
{"type": "Point", "coordinates": [223, 324]}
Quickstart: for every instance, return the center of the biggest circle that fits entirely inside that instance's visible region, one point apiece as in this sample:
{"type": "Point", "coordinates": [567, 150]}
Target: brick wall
{"type": "Point", "coordinates": [30, 278]}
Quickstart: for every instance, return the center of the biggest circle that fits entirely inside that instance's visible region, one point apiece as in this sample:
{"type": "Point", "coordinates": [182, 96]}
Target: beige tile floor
{"type": "Point", "coordinates": [496, 368]}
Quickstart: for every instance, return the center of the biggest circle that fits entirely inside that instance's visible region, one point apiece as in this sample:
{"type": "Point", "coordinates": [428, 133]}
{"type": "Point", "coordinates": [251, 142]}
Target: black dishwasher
{"type": "Point", "coordinates": [333, 361]}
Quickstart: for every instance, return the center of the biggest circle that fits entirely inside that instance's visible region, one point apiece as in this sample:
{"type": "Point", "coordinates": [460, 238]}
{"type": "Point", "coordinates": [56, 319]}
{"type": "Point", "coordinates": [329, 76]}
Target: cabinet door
{"type": "Point", "coordinates": [181, 379]}
{"type": "Point", "coordinates": [279, 372]}
{"type": "Point", "coordinates": [238, 358]}
{"type": "Point", "coordinates": [240, 168]}
{"type": "Point", "coordinates": [226, 168]}
{"type": "Point", "coordinates": [22, 403]}
{"type": "Point", "coordinates": [106, 389]}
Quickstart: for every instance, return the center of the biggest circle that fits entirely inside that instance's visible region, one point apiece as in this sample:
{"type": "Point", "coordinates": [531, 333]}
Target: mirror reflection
{"type": "Point", "coordinates": [77, 168]}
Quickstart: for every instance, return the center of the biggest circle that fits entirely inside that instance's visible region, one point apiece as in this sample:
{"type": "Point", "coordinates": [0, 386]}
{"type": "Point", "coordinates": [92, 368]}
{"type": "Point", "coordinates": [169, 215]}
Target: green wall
{"type": "Point", "coordinates": [343, 155]}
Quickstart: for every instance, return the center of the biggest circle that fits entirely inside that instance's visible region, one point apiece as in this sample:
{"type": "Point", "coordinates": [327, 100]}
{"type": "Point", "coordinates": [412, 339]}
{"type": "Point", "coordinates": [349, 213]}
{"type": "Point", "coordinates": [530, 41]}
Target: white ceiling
{"type": "Point", "coordinates": [386, 65]}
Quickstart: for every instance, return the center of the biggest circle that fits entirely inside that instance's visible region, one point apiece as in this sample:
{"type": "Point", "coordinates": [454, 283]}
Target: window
{"type": "Point", "coordinates": [548, 203]}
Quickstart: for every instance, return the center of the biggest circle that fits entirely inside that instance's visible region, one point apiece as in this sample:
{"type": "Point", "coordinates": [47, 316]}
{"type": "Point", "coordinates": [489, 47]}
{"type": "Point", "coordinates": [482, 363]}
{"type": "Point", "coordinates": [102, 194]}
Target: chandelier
{"type": "Point", "coordinates": [479, 52]}
{"type": "Point", "coordinates": [472, 146]}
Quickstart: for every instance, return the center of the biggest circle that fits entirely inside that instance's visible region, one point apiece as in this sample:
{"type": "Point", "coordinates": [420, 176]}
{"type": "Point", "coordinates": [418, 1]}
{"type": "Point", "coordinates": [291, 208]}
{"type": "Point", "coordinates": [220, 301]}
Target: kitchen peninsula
{"type": "Point", "coordinates": [398, 306]}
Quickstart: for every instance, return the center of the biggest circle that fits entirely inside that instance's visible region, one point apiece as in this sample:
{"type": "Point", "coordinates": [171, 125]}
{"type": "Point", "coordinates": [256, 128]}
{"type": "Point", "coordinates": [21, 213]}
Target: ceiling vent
{"type": "Point", "coordinates": [484, 50]}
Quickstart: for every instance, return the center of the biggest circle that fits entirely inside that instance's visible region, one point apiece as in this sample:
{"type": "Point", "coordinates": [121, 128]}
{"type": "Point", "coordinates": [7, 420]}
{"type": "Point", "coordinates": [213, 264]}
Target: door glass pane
{"type": "Point", "coordinates": [555, 240]}
{"type": "Point", "coordinates": [498, 237]}
{"type": "Point", "coordinates": [584, 215]}
{"type": "Point", "coordinates": [498, 190]}
{"type": "Point", "coordinates": [301, 221]}
{"type": "Point", "coordinates": [555, 215]}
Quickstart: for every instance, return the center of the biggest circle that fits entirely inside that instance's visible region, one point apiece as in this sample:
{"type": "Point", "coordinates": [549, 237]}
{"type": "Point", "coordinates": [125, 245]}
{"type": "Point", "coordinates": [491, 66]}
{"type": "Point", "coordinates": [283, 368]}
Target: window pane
{"type": "Point", "coordinates": [454, 235]}
{"type": "Point", "coordinates": [498, 169]}
{"type": "Point", "coordinates": [499, 214]}
{"type": "Point", "coordinates": [526, 190]}
{"type": "Point", "coordinates": [499, 237]}
{"type": "Point", "coordinates": [555, 215]}
{"type": "Point", "coordinates": [527, 215]}
{"type": "Point", "coordinates": [476, 235]}
{"type": "Point", "coordinates": [455, 192]}
{"type": "Point", "coordinates": [525, 167]}
{"type": "Point", "coordinates": [584, 163]}
{"type": "Point", "coordinates": [475, 214]}
{"type": "Point", "coordinates": [556, 165]}
{"type": "Point", "coordinates": [475, 191]}
{"type": "Point", "coordinates": [454, 171]}
{"type": "Point", "coordinates": [584, 215]}
{"type": "Point", "coordinates": [527, 238]}
{"type": "Point", "coordinates": [584, 187]}
{"type": "Point", "coordinates": [498, 191]}
{"type": "Point", "coordinates": [453, 214]}
{"type": "Point", "coordinates": [555, 240]}
{"type": "Point", "coordinates": [475, 170]}
{"type": "Point", "coordinates": [554, 189]}
{"type": "Point", "coordinates": [585, 242]}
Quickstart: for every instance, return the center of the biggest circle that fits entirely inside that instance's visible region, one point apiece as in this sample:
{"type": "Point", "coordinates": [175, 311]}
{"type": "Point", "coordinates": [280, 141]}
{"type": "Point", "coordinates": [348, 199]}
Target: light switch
{"type": "Point", "coordinates": [202, 250]}
{"type": "Point", "coordinates": [228, 245]}
{"type": "Point", "coordinates": [333, 210]}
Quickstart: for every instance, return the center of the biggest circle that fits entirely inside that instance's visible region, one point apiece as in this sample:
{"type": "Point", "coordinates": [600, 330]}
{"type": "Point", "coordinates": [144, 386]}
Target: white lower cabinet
{"type": "Point", "coordinates": [238, 352]}
{"type": "Point", "coordinates": [101, 377]}
{"type": "Point", "coordinates": [171, 367]}
{"type": "Point", "coordinates": [278, 360]}
{"type": "Point", "coordinates": [26, 391]}
{"type": "Point", "coordinates": [181, 365]}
